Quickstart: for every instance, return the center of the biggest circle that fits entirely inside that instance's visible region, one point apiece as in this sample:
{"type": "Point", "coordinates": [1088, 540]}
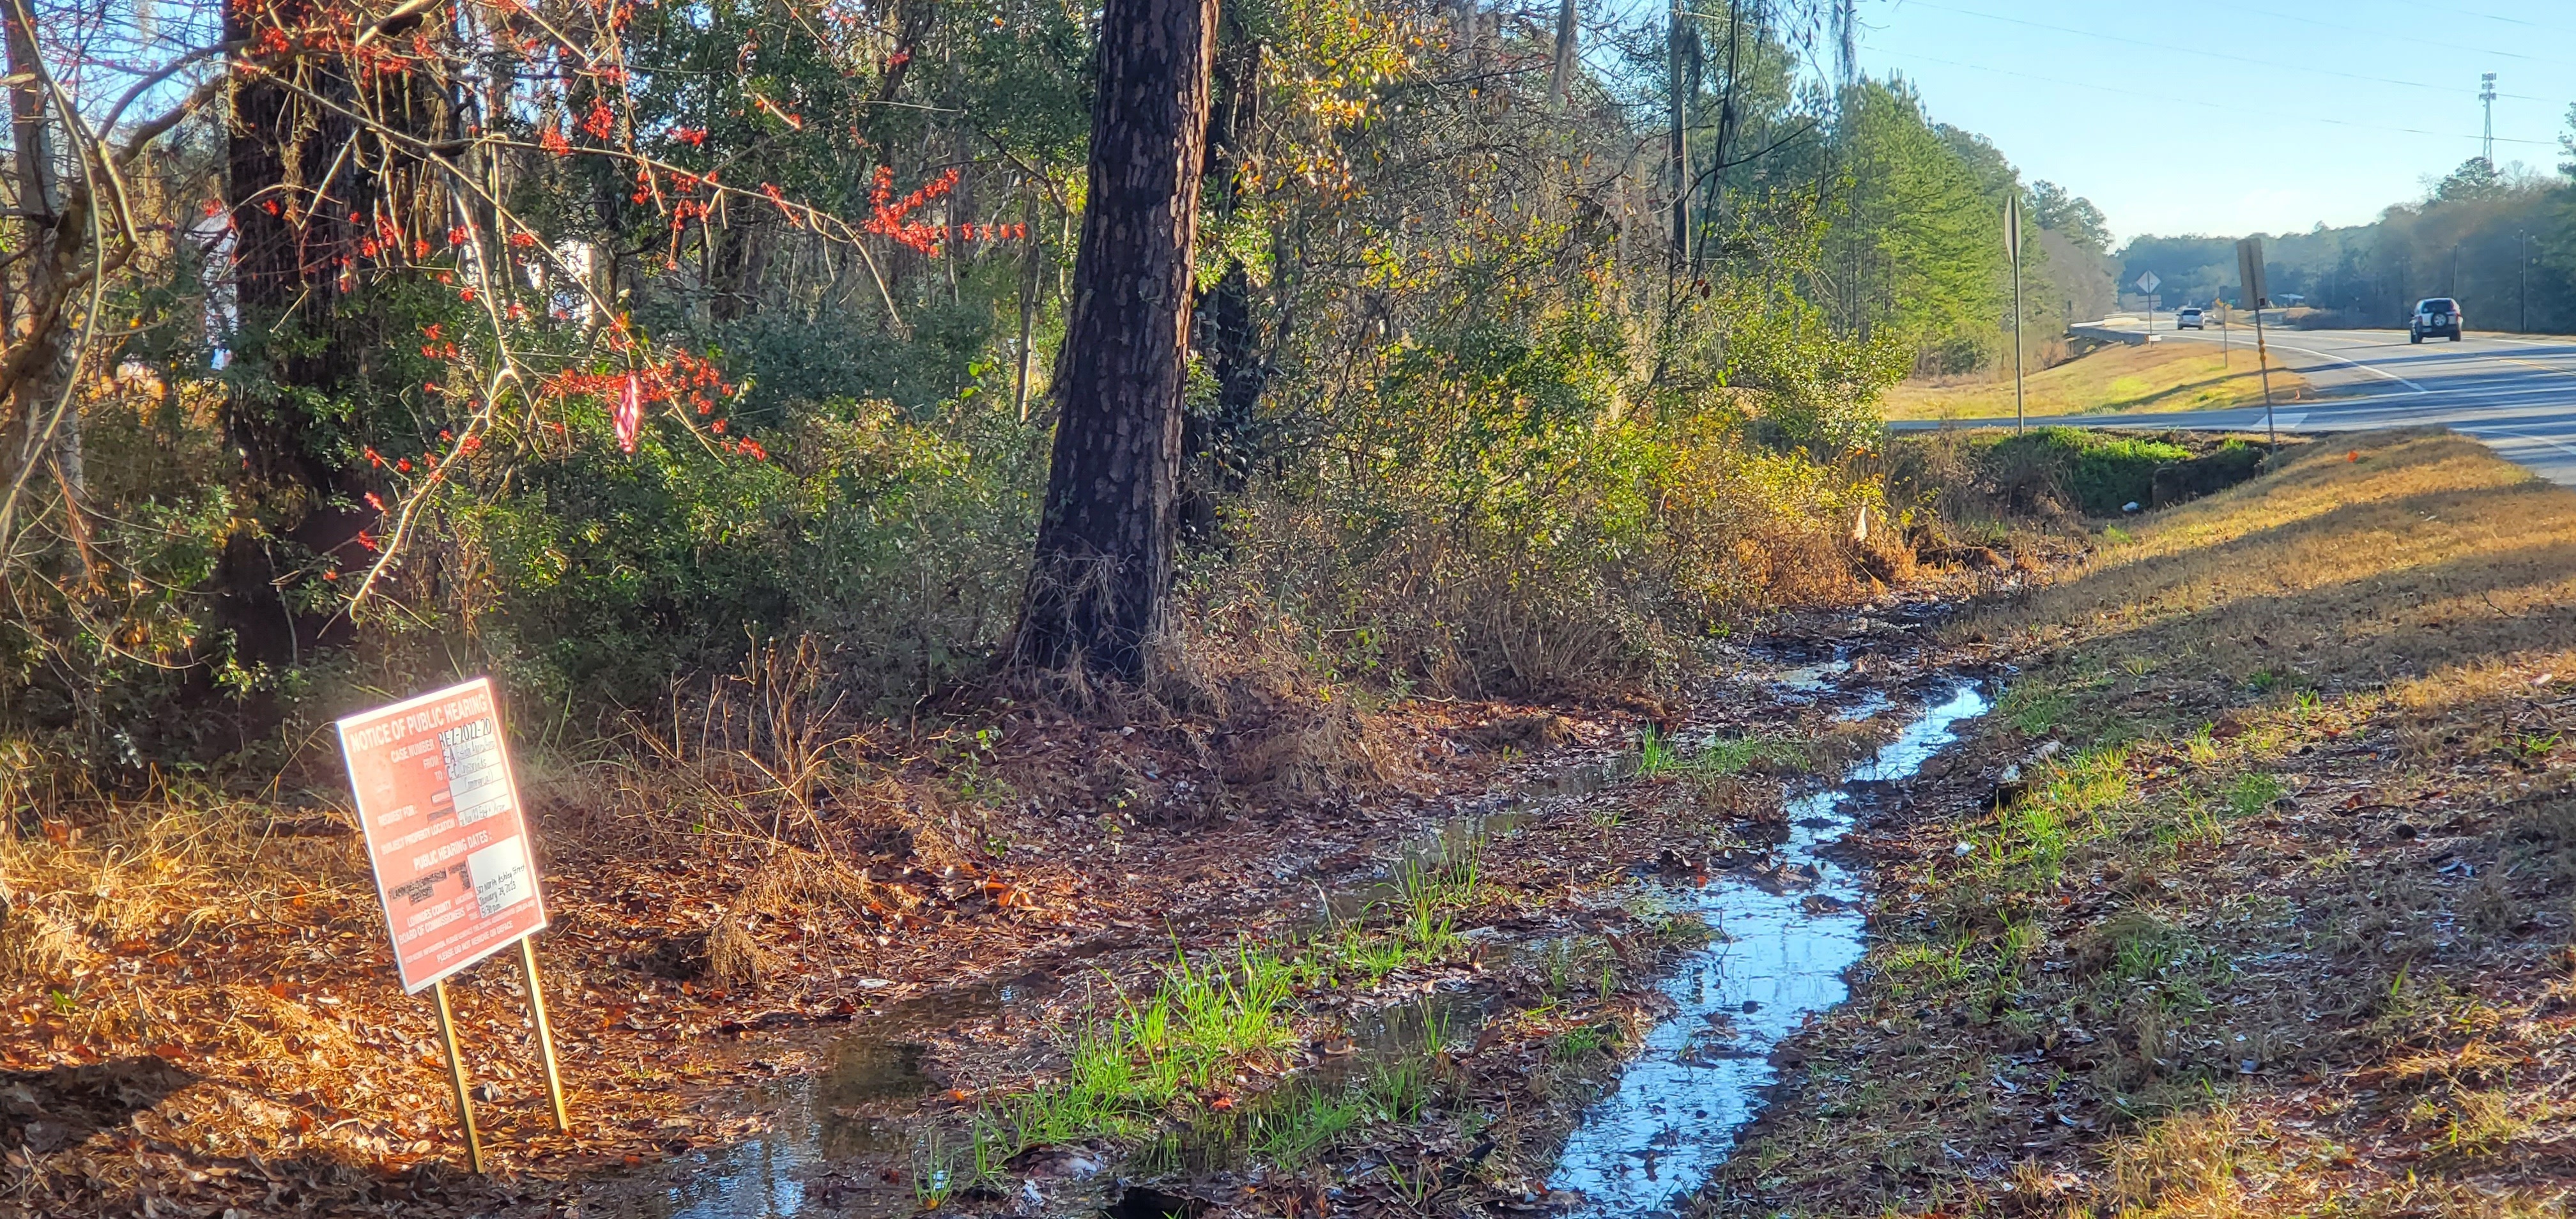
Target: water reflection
{"type": "Point", "coordinates": [1781, 957]}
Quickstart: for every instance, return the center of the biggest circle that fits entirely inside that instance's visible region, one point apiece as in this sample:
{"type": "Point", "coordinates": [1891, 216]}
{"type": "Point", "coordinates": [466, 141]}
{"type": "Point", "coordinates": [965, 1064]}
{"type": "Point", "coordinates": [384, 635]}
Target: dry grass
{"type": "Point", "coordinates": [2400, 557]}
{"type": "Point", "coordinates": [2175, 376]}
{"type": "Point", "coordinates": [2284, 929]}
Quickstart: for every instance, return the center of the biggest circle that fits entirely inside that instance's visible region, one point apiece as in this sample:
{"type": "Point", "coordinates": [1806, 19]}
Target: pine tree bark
{"type": "Point", "coordinates": [1098, 586]}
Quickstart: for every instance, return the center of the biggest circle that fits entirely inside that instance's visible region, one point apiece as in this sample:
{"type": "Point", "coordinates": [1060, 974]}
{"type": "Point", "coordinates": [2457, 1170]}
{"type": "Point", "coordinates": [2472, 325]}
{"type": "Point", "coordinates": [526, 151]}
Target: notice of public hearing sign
{"type": "Point", "coordinates": [444, 830]}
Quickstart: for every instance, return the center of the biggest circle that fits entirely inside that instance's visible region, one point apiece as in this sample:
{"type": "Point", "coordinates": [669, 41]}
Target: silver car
{"type": "Point", "coordinates": [2435, 315]}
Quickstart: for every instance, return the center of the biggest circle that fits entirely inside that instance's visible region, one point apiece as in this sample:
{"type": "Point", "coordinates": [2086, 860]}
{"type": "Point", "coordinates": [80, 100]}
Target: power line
{"type": "Point", "coordinates": [2220, 55]}
{"type": "Point", "coordinates": [2415, 12]}
{"type": "Point", "coordinates": [2410, 38]}
{"type": "Point", "coordinates": [2231, 110]}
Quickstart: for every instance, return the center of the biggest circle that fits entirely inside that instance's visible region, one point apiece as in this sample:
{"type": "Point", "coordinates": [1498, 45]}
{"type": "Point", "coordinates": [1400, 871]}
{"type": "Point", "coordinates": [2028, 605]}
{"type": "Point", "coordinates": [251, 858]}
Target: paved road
{"type": "Point", "coordinates": [2517, 393]}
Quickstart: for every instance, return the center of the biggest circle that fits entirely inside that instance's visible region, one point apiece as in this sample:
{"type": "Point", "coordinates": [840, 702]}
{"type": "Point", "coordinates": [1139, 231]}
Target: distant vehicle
{"type": "Point", "coordinates": [2435, 315]}
{"type": "Point", "coordinates": [2188, 319]}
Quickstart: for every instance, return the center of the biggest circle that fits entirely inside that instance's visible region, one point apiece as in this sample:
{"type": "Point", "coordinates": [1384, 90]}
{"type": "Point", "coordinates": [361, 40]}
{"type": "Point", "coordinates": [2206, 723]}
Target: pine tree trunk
{"type": "Point", "coordinates": [1103, 568]}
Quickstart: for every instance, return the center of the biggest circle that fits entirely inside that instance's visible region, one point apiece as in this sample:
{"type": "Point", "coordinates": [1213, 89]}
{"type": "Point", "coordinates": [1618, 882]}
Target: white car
{"type": "Point", "coordinates": [2188, 319]}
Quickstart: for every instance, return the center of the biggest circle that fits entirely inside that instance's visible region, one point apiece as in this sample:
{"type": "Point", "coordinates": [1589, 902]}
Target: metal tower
{"type": "Point", "coordinates": [2487, 97]}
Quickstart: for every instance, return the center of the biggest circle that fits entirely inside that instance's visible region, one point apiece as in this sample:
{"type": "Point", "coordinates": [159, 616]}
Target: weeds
{"type": "Point", "coordinates": [2035, 708]}
{"type": "Point", "coordinates": [1728, 756]}
{"type": "Point", "coordinates": [2252, 794]}
{"type": "Point", "coordinates": [934, 1172]}
{"type": "Point", "coordinates": [1583, 1040]}
{"type": "Point", "coordinates": [1125, 1071]}
{"type": "Point", "coordinates": [1291, 1132]}
{"type": "Point", "coordinates": [1417, 1185]}
{"type": "Point", "coordinates": [1655, 756]}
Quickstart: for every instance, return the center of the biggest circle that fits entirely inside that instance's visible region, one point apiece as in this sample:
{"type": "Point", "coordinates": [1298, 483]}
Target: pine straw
{"type": "Point", "coordinates": [2300, 943]}
{"type": "Point", "coordinates": [200, 1008]}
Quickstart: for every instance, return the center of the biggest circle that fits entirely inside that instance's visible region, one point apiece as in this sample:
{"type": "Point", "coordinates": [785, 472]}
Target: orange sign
{"type": "Point", "coordinates": [441, 812]}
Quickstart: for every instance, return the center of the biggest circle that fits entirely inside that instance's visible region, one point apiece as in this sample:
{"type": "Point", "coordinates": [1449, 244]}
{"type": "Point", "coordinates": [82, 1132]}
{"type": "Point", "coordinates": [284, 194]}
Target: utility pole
{"type": "Point", "coordinates": [2012, 246]}
{"type": "Point", "coordinates": [2487, 98]}
{"type": "Point", "coordinates": [2522, 280]}
{"type": "Point", "coordinates": [2249, 272]}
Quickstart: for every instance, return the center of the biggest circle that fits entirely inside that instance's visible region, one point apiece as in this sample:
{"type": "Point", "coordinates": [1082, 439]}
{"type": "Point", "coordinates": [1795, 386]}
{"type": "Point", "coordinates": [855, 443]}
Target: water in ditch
{"type": "Point", "coordinates": [1779, 958]}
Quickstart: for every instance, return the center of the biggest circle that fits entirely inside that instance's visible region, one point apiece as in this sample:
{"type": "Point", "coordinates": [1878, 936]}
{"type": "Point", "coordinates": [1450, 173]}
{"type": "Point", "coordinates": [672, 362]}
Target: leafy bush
{"type": "Point", "coordinates": [603, 577]}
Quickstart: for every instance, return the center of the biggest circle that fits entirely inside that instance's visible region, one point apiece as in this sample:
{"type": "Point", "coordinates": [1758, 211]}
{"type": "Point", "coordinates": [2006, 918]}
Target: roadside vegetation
{"type": "Point", "coordinates": [700, 385]}
{"type": "Point", "coordinates": [2268, 913]}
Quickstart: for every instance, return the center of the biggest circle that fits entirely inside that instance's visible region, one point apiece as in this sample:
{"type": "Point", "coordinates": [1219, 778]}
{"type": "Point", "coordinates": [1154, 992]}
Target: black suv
{"type": "Point", "coordinates": [2434, 315]}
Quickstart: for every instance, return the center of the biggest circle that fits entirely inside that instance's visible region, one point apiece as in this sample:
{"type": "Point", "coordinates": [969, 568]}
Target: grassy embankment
{"type": "Point", "coordinates": [2174, 376]}
{"type": "Point", "coordinates": [2282, 927]}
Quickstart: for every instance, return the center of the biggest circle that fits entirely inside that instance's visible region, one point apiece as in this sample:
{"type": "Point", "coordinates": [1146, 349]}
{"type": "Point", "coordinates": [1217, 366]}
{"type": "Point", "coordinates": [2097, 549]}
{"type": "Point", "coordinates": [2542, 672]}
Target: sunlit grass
{"type": "Point", "coordinates": [2169, 376]}
{"type": "Point", "coordinates": [1126, 1070]}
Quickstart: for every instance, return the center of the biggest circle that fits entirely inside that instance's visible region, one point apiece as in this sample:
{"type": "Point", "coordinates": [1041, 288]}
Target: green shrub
{"type": "Point", "coordinates": [604, 576]}
{"type": "Point", "coordinates": [2098, 473]}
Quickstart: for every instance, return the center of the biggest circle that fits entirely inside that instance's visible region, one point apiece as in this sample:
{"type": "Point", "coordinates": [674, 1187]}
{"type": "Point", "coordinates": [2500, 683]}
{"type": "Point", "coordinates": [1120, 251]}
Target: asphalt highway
{"type": "Point", "coordinates": [2515, 392]}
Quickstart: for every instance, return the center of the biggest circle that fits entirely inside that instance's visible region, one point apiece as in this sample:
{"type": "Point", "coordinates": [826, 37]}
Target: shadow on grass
{"type": "Point", "coordinates": [2284, 927]}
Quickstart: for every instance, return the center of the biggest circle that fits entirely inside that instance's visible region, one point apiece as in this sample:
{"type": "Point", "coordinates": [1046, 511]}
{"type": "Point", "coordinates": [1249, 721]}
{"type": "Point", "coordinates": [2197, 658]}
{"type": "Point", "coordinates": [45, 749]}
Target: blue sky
{"type": "Point", "coordinates": [2217, 117]}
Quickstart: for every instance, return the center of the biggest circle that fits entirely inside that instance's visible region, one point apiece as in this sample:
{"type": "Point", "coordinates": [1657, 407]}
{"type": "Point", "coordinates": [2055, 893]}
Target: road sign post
{"type": "Point", "coordinates": [453, 860]}
{"type": "Point", "coordinates": [2147, 282]}
{"type": "Point", "coordinates": [2012, 246]}
{"type": "Point", "coordinates": [2249, 273]}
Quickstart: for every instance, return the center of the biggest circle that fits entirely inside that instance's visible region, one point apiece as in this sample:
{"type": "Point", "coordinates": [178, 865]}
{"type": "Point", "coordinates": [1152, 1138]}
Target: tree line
{"type": "Point", "coordinates": [2502, 241]}
{"type": "Point", "coordinates": [354, 342]}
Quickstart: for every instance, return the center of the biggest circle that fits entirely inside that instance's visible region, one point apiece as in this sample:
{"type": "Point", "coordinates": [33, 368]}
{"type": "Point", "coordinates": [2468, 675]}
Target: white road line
{"type": "Point", "coordinates": [2288, 418]}
{"type": "Point", "coordinates": [2525, 341]}
{"type": "Point", "coordinates": [2368, 368]}
{"type": "Point", "coordinates": [2309, 351]}
{"type": "Point", "coordinates": [2475, 428]}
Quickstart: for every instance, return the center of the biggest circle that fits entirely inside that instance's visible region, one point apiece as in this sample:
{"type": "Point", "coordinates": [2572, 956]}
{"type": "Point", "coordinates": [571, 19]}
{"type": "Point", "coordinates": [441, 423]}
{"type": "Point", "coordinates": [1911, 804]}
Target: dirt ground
{"type": "Point", "coordinates": [206, 1021]}
{"type": "Point", "coordinates": [2269, 915]}
{"type": "Point", "coordinates": [2249, 898]}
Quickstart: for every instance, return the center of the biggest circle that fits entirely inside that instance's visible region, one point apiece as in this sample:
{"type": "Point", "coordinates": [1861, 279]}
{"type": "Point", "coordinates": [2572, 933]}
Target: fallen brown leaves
{"type": "Point", "coordinates": [200, 1007]}
{"type": "Point", "coordinates": [2283, 928]}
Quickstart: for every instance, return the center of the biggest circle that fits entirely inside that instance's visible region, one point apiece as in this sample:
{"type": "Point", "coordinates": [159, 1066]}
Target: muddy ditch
{"type": "Point", "coordinates": [1566, 995]}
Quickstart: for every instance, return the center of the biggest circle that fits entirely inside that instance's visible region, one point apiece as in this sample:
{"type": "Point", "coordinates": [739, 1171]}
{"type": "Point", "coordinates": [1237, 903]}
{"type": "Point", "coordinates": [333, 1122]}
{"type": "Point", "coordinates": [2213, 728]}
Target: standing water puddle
{"type": "Point", "coordinates": [851, 1111]}
{"type": "Point", "coordinates": [1779, 958]}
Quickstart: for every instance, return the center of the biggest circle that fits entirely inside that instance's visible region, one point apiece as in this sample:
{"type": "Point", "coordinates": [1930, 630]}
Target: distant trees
{"type": "Point", "coordinates": [2501, 239]}
{"type": "Point", "coordinates": [1917, 243]}
{"type": "Point", "coordinates": [1919, 240]}
{"type": "Point", "coordinates": [2062, 211]}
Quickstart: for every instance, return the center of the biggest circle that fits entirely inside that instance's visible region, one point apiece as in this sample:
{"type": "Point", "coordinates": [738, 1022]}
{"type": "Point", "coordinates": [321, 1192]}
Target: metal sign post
{"type": "Point", "coordinates": [545, 1033]}
{"type": "Point", "coordinates": [2249, 272]}
{"type": "Point", "coordinates": [2012, 246]}
{"type": "Point", "coordinates": [456, 1077]}
{"type": "Point", "coordinates": [2147, 282]}
{"type": "Point", "coordinates": [451, 853]}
